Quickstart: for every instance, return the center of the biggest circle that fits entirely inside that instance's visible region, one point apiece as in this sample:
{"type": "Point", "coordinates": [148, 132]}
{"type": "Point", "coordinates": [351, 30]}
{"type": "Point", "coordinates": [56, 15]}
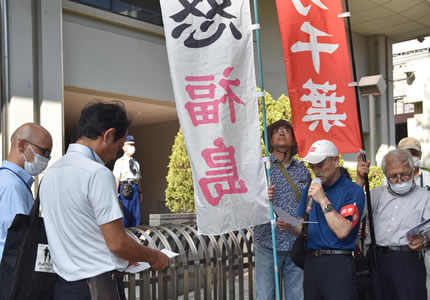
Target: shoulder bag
{"type": "Point", "coordinates": [26, 269]}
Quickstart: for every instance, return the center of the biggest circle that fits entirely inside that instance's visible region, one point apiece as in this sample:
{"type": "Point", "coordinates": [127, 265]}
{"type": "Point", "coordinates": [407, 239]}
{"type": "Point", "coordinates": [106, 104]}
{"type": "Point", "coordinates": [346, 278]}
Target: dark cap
{"type": "Point", "coordinates": [129, 140]}
{"type": "Point", "coordinates": [275, 125]}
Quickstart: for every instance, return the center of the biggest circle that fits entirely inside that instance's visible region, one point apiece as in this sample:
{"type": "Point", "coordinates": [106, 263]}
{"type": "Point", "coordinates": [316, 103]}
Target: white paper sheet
{"type": "Point", "coordinates": [422, 228]}
{"type": "Point", "coordinates": [287, 218]}
{"type": "Point", "coordinates": [141, 266]}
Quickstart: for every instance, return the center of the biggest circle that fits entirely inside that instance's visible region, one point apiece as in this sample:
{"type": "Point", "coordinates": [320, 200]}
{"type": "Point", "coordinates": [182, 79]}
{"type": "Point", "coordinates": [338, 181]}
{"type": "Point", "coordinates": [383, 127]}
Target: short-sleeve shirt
{"type": "Point", "coordinates": [341, 193]}
{"type": "Point", "coordinates": [287, 200]}
{"type": "Point", "coordinates": [121, 169]}
{"type": "Point", "coordinates": [15, 196]}
{"type": "Point", "coordinates": [394, 215]}
{"type": "Point", "coordinates": [78, 195]}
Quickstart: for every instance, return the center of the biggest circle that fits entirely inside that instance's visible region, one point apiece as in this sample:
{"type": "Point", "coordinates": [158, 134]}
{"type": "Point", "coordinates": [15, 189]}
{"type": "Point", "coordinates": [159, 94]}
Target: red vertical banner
{"type": "Point", "coordinates": [319, 74]}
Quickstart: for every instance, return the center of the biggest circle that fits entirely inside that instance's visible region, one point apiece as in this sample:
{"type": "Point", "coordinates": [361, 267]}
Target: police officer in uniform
{"type": "Point", "coordinates": [128, 176]}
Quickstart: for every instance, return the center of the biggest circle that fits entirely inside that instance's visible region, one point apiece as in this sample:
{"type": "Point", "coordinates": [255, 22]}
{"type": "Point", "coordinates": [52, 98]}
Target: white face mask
{"type": "Point", "coordinates": [402, 187]}
{"type": "Point", "coordinates": [417, 161]}
{"type": "Point", "coordinates": [131, 150]}
{"type": "Point", "coordinates": [38, 164]}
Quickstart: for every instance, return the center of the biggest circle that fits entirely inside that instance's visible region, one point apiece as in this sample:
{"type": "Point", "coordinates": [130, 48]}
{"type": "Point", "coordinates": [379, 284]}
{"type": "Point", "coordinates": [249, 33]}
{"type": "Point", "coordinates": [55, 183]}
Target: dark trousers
{"type": "Point", "coordinates": [131, 207]}
{"type": "Point", "coordinates": [79, 290]}
{"type": "Point", "coordinates": [71, 290]}
{"type": "Point", "coordinates": [400, 276]}
{"type": "Point", "coordinates": [330, 277]}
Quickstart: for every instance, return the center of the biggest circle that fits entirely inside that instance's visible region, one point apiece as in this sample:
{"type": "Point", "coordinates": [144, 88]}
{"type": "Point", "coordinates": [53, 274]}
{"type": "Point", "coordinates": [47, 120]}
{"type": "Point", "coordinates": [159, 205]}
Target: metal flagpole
{"type": "Point", "coordinates": [366, 178]}
{"type": "Point", "coordinates": [269, 180]}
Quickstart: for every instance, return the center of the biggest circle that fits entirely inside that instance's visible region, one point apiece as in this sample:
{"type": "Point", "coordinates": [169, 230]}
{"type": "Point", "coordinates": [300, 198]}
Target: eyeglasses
{"type": "Point", "coordinates": [402, 177]}
{"type": "Point", "coordinates": [281, 130]}
{"type": "Point", "coordinates": [45, 151]}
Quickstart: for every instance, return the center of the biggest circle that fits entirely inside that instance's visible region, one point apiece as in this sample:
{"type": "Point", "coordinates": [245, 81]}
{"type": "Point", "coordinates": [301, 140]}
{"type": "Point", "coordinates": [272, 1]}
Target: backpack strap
{"type": "Point", "coordinates": [289, 179]}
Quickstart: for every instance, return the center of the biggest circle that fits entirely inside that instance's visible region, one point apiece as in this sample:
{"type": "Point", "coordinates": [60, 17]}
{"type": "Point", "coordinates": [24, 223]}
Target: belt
{"type": "Point", "coordinates": [324, 252]}
{"type": "Point", "coordinates": [388, 249]}
{"type": "Point", "coordinates": [132, 181]}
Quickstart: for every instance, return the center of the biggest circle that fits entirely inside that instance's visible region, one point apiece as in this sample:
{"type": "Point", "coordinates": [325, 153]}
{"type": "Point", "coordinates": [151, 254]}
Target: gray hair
{"type": "Point", "coordinates": [401, 156]}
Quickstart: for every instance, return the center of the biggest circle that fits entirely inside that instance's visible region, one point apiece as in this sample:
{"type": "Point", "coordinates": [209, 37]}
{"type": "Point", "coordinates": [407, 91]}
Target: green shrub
{"type": "Point", "coordinates": [179, 193]}
{"type": "Point", "coordinates": [376, 176]}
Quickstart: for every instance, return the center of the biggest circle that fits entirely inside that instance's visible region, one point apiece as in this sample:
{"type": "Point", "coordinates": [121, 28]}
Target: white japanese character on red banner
{"type": "Point", "coordinates": [223, 178]}
{"type": "Point", "coordinates": [305, 10]}
{"type": "Point", "coordinates": [323, 106]}
{"type": "Point", "coordinates": [313, 44]}
{"type": "Point", "coordinates": [207, 112]}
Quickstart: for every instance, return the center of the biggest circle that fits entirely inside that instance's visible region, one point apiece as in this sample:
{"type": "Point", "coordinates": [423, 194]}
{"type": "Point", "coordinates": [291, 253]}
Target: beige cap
{"type": "Point", "coordinates": [409, 143]}
{"type": "Point", "coordinates": [319, 151]}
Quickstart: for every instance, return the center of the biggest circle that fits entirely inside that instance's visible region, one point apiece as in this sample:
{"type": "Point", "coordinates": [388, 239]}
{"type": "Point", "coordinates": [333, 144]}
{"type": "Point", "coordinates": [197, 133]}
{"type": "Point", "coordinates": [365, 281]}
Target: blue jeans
{"type": "Point", "coordinates": [265, 279]}
{"type": "Point", "coordinates": [131, 208]}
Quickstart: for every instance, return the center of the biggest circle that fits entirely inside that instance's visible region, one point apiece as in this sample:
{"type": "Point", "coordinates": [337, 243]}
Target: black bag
{"type": "Point", "coordinates": [25, 242]}
{"type": "Point", "coordinates": [127, 190]}
{"type": "Point", "coordinates": [298, 252]}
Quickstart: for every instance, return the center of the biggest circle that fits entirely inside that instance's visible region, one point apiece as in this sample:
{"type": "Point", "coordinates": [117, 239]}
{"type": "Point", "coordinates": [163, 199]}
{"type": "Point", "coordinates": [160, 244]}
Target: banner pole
{"type": "Point", "coordinates": [366, 178]}
{"type": "Point", "coordinates": [269, 180]}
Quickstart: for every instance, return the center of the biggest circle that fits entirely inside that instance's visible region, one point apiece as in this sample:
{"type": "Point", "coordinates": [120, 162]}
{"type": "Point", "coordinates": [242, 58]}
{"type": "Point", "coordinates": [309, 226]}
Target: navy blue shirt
{"type": "Point", "coordinates": [287, 200]}
{"type": "Point", "coordinates": [341, 193]}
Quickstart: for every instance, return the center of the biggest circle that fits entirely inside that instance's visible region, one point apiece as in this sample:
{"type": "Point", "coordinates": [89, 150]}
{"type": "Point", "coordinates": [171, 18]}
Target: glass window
{"type": "Point", "coordinates": [144, 10]}
{"type": "Point", "coordinates": [104, 4]}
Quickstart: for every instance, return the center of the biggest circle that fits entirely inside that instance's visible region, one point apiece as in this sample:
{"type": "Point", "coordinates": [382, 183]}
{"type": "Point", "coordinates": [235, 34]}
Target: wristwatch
{"type": "Point", "coordinates": [328, 208]}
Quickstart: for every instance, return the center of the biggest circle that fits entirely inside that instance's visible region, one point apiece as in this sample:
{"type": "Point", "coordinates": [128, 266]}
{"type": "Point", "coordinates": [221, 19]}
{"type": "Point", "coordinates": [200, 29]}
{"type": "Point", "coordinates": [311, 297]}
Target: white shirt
{"type": "Point", "coordinates": [121, 169]}
{"type": "Point", "coordinates": [77, 195]}
{"type": "Point", "coordinates": [394, 215]}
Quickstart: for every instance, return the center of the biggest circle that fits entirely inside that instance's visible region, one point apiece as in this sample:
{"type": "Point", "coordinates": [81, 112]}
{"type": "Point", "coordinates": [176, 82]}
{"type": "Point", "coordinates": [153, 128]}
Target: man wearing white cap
{"type": "Point", "coordinates": [329, 271]}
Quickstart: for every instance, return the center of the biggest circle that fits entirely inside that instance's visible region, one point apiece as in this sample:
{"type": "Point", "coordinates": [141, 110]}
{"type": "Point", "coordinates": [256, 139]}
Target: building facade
{"type": "Point", "coordinates": [57, 56]}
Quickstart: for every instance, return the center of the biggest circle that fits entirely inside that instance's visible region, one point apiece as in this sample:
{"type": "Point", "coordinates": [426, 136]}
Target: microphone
{"type": "Point", "coordinates": [310, 202]}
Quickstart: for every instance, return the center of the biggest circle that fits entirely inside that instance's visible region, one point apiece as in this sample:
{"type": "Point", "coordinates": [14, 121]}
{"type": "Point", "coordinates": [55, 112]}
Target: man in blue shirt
{"type": "Point", "coordinates": [329, 271]}
{"type": "Point", "coordinates": [283, 147]}
{"type": "Point", "coordinates": [30, 152]}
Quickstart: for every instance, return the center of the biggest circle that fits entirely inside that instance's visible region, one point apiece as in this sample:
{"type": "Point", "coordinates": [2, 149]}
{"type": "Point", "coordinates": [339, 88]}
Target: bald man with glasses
{"type": "Point", "coordinates": [30, 152]}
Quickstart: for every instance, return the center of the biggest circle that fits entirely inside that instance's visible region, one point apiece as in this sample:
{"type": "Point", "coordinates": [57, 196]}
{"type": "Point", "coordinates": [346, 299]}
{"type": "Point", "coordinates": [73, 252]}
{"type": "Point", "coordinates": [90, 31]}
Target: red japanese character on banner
{"type": "Point", "coordinates": [207, 112]}
{"type": "Point", "coordinates": [202, 112]}
{"type": "Point", "coordinates": [223, 178]}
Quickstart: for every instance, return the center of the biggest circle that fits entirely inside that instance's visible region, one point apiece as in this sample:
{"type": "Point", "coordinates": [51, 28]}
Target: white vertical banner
{"type": "Point", "coordinates": [210, 50]}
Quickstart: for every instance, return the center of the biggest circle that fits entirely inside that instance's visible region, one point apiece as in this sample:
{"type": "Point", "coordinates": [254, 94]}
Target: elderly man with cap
{"type": "Point", "coordinates": [289, 177]}
{"type": "Point", "coordinates": [329, 271]}
{"type": "Point", "coordinates": [127, 175]}
{"type": "Point", "coordinates": [422, 177]}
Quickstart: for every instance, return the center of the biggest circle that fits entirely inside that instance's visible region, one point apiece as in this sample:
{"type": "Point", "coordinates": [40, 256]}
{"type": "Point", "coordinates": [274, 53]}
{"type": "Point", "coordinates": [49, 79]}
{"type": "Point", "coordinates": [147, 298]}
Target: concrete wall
{"type": "Point", "coordinates": [112, 53]}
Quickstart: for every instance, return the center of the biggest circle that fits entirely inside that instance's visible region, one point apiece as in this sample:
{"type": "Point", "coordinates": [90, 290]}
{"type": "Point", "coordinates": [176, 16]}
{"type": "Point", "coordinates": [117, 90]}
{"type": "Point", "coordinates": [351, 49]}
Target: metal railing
{"type": "Point", "coordinates": [207, 267]}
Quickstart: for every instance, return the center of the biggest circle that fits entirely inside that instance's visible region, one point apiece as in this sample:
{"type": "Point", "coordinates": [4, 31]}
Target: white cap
{"type": "Point", "coordinates": [319, 151]}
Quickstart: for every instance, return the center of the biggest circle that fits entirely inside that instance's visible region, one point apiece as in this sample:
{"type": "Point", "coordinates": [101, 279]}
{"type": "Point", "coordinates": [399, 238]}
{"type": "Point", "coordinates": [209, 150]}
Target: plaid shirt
{"type": "Point", "coordinates": [287, 200]}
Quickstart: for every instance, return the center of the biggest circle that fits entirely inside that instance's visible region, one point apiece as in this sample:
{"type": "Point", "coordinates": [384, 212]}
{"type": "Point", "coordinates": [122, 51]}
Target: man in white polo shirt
{"type": "Point", "coordinates": [82, 216]}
